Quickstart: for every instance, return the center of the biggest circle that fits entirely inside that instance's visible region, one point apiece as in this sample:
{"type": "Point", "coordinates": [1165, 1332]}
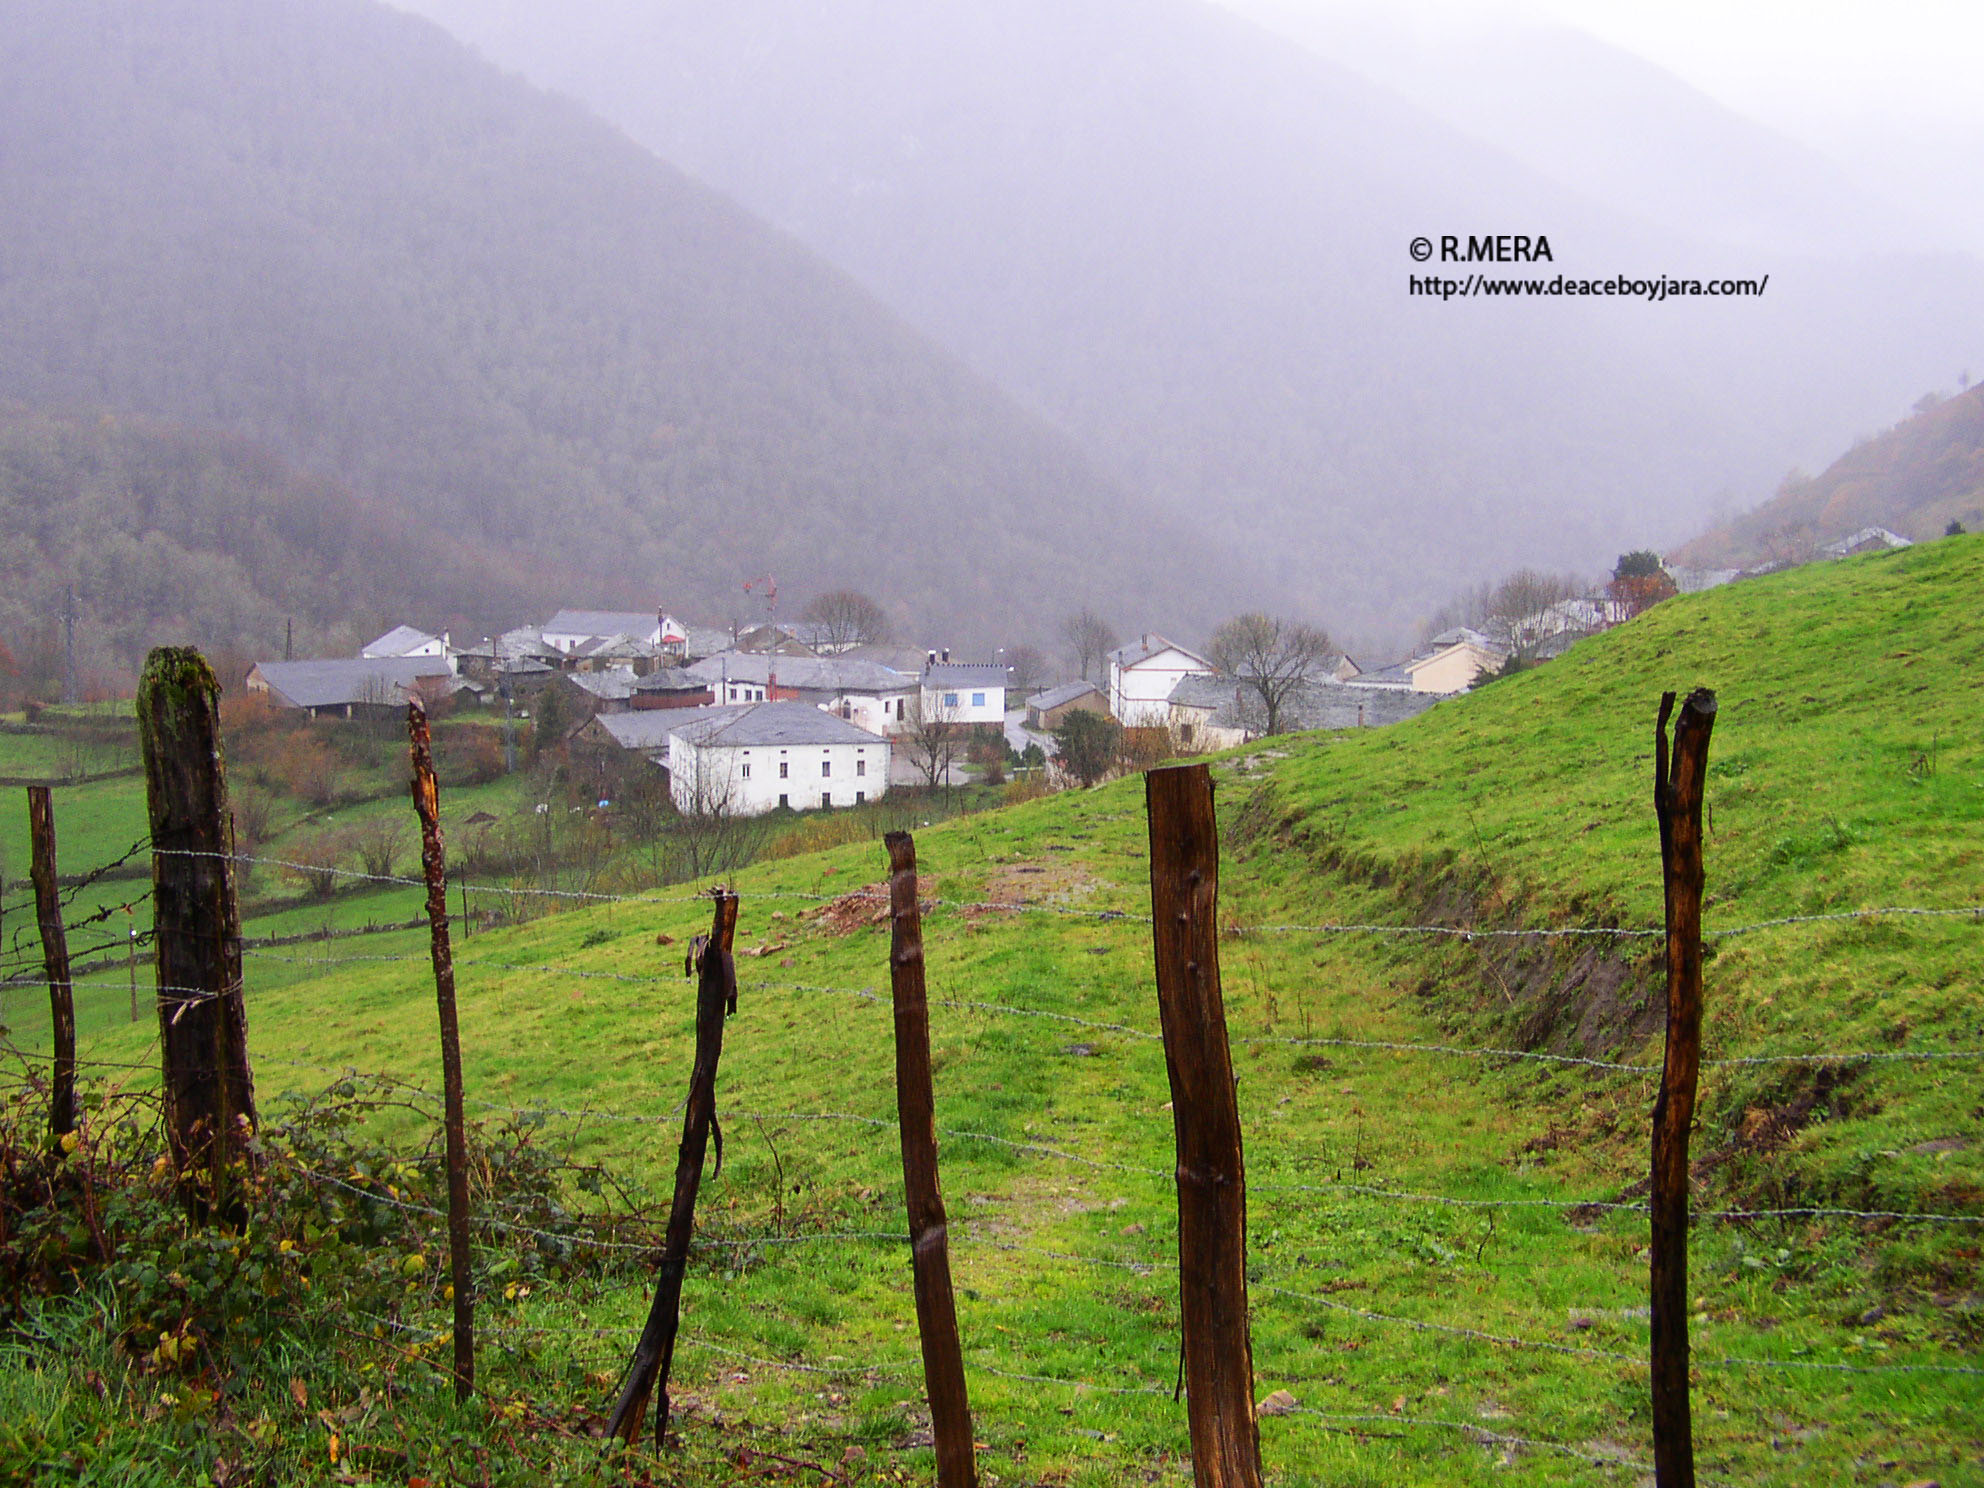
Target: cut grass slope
{"type": "Point", "coordinates": [1444, 1339]}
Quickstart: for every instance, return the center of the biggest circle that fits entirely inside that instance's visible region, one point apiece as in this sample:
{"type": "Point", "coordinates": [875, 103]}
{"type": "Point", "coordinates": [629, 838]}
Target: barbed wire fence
{"type": "Point", "coordinates": [903, 1371]}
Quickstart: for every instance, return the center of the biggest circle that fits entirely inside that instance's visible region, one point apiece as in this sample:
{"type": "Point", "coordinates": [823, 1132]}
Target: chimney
{"type": "Point", "coordinates": [930, 659]}
{"type": "Point", "coordinates": [947, 655]}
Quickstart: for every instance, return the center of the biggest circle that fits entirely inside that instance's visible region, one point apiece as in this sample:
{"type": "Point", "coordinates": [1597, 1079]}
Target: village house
{"type": "Point", "coordinates": [865, 693]}
{"type": "Point", "coordinates": [966, 692]}
{"type": "Point", "coordinates": [1045, 710]}
{"type": "Point", "coordinates": [671, 687]}
{"type": "Point", "coordinates": [404, 640]}
{"type": "Point", "coordinates": [757, 757]}
{"type": "Point", "coordinates": [589, 634]}
{"type": "Point", "coordinates": [352, 687]}
{"type": "Point", "coordinates": [1215, 712]}
{"type": "Point", "coordinates": [1141, 676]}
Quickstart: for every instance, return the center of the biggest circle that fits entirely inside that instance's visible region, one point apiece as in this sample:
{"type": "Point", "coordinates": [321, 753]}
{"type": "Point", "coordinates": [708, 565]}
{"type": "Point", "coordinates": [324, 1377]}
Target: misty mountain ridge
{"type": "Point", "coordinates": [1913, 479]}
{"type": "Point", "coordinates": [1183, 240]}
{"type": "Point", "coordinates": [326, 227]}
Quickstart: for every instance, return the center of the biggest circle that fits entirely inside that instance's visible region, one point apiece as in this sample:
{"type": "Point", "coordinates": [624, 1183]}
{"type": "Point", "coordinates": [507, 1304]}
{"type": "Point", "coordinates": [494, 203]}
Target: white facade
{"type": "Point", "coordinates": [404, 640]}
{"type": "Point", "coordinates": [964, 692]}
{"type": "Point", "coordinates": [744, 761]}
{"type": "Point", "coordinates": [1141, 677]}
{"type": "Point", "coordinates": [751, 779]}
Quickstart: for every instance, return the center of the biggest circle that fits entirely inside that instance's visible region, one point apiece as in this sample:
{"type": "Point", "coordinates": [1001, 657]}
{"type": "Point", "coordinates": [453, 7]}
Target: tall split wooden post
{"type": "Point", "coordinates": [434, 866]}
{"type": "Point", "coordinates": [203, 1023]}
{"type": "Point", "coordinates": [1679, 780]}
{"type": "Point", "coordinates": [929, 1229]}
{"type": "Point", "coordinates": [1205, 1116]}
{"type": "Point", "coordinates": [54, 960]}
{"type": "Point", "coordinates": [654, 1354]}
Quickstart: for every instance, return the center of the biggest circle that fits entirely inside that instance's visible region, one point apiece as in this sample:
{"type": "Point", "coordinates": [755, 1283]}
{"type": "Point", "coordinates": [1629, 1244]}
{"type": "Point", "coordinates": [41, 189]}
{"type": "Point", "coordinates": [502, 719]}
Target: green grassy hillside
{"type": "Point", "coordinates": [1418, 1291]}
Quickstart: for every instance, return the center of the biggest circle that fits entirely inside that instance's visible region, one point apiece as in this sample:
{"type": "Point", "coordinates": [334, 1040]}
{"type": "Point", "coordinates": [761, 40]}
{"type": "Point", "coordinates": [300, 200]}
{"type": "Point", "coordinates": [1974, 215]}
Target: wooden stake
{"type": "Point", "coordinates": [54, 960]}
{"type": "Point", "coordinates": [203, 1025]}
{"type": "Point", "coordinates": [916, 1113]}
{"type": "Point", "coordinates": [1212, 1180]}
{"type": "Point", "coordinates": [434, 866]}
{"type": "Point", "coordinates": [1677, 798]}
{"type": "Point", "coordinates": [716, 994]}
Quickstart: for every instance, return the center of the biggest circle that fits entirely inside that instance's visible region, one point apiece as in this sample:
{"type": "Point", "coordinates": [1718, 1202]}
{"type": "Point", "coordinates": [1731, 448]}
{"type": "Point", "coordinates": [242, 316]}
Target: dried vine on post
{"type": "Point", "coordinates": [716, 997]}
{"type": "Point", "coordinates": [54, 960]}
{"type": "Point", "coordinates": [916, 1110]}
{"type": "Point", "coordinates": [1212, 1178]}
{"type": "Point", "coordinates": [1678, 785]}
{"type": "Point", "coordinates": [434, 865]}
{"type": "Point", "coordinates": [203, 1025]}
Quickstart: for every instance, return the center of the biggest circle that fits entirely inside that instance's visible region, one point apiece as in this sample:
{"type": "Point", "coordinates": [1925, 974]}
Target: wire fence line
{"type": "Point", "coordinates": [1036, 906]}
{"type": "Point", "coordinates": [869, 994]}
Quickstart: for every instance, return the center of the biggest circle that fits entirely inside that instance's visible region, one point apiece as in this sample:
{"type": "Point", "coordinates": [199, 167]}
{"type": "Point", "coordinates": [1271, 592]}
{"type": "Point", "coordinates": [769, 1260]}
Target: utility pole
{"type": "Point", "coordinates": [289, 639]}
{"type": "Point", "coordinates": [69, 647]}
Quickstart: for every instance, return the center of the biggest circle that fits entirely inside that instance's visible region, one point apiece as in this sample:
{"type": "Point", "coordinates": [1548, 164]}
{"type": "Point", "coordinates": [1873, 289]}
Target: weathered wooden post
{"type": "Point", "coordinates": [54, 960]}
{"type": "Point", "coordinates": [203, 1024]}
{"type": "Point", "coordinates": [1677, 798]}
{"type": "Point", "coordinates": [654, 1354]}
{"type": "Point", "coordinates": [1205, 1117]}
{"type": "Point", "coordinates": [916, 1113]}
{"type": "Point", "coordinates": [434, 865]}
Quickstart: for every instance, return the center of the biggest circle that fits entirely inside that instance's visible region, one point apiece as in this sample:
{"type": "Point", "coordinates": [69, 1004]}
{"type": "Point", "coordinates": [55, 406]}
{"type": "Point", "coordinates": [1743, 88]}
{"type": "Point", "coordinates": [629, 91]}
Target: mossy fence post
{"type": "Point", "coordinates": [916, 1114]}
{"type": "Point", "coordinates": [1679, 780]}
{"type": "Point", "coordinates": [203, 1024]}
{"type": "Point", "coordinates": [434, 866]}
{"type": "Point", "coordinates": [1205, 1118]}
{"type": "Point", "coordinates": [716, 998]}
{"type": "Point", "coordinates": [54, 960]}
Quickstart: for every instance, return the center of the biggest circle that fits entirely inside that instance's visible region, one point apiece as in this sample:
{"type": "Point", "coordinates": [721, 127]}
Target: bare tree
{"type": "Point", "coordinates": [1089, 641]}
{"type": "Point", "coordinates": [712, 830]}
{"type": "Point", "coordinates": [932, 737]}
{"type": "Point", "coordinates": [1521, 608]}
{"type": "Point", "coordinates": [1026, 669]}
{"type": "Point", "coordinates": [1270, 657]}
{"type": "Point", "coordinates": [847, 617]}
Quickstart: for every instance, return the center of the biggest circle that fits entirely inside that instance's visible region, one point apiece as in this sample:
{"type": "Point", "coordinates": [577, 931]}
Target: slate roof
{"type": "Point", "coordinates": [602, 622]}
{"type": "Point", "coordinates": [335, 681]}
{"type": "Point", "coordinates": [1067, 692]}
{"type": "Point", "coordinates": [614, 685]}
{"type": "Point", "coordinates": [752, 724]}
{"type": "Point", "coordinates": [963, 674]}
{"type": "Point", "coordinates": [398, 642]}
{"type": "Point", "coordinates": [671, 679]}
{"type": "Point", "coordinates": [1145, 647]}
{"type": "Point", "coordinates": [809, 673]}
{"type": "Point", "coordinates": [1867, 539]}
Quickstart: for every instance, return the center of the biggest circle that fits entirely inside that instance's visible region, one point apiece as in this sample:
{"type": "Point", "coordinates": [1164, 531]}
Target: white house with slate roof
{"type": "Point", "coordinates": [1141, 676]}
{"type": "Point", "coordinates": [570, 632]}
{"type": "Point", "coordinates": [751, 758]}
{"type": "Point", "coordinates": [964, 692]}
{"type": "Point", "coordinates": [404, 640]}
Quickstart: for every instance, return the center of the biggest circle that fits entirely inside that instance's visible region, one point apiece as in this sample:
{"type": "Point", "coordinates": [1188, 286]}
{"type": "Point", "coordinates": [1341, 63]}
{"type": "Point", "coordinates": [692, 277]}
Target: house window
{"type": "Point", "coordinates": [978, 700]}
{"type": "Point", "coordinates": [746, 772]}
{"type": "Point", "coordinates": [899, 705]}
{"type": "Point", "coordinates": [861, 767]}
{"type": "Point", "coordinates": [826, 769]}
{"type": "Point", "coordinates": [826, 798]}
{"type": "Point", "coordinates": [783, 769]}
{"type": "Point", "coordinates": [950, 700]}
{"type": "Point", "coordinates": [1185, 732]}
{"type": "Point", "coordinates": [783, 804]}
{"type": "Point", "coordinates": [859, 797]}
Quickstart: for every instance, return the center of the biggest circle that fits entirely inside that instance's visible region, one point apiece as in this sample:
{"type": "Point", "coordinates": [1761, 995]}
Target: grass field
{"type": "Point", "coordinates": [1430, 1324]}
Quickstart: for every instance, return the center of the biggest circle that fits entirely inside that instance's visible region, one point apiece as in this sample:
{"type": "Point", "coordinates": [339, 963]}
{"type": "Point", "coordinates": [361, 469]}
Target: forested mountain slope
{"type": "Point", "coordinates": [328, 227]}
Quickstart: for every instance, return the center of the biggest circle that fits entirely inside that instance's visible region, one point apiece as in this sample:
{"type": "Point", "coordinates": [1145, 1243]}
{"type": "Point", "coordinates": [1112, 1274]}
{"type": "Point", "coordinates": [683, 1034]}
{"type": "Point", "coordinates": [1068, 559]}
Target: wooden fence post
{"type": "Point", "coordinates": [434, 865]}
{"type": "Point", "coordinates": [1212, 1181]}
{"type": "Point", "coordinates": [54, 960]}
{"type": "Point", "coordinates": [203, 1024]}
{"type": "Point", "coordinates": [716, 995]}
{"type": "Point", "coordinates": [1677, 798]}
{"type": "Point", "coordinates": [916, 1114]}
